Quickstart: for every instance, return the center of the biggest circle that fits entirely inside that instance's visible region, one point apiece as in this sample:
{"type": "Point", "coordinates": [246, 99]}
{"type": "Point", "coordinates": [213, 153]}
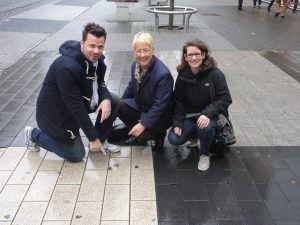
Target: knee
{"type": "Point", "coordinates": [115, 103]}
{"type": "Point", "coordinates": [77, 157]}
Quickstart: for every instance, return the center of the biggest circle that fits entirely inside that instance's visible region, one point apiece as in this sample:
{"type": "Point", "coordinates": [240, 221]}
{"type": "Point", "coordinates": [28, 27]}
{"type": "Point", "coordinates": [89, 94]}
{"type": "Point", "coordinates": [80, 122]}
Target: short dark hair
{"type": "Point", "coordinates": [207, 63]}
{"type": "Point", "coordinates": [94, 29]}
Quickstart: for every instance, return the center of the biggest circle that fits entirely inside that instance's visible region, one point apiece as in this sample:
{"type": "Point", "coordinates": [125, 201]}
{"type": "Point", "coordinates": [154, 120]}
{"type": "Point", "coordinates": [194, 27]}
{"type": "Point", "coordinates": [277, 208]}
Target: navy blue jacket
{"type": "Point", "coordinates": [154, 98]}
{"type": "Point", "coordinates": [63, 102]}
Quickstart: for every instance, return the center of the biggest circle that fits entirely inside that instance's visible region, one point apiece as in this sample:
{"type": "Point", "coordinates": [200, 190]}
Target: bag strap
{"type": "Point", "coordinates": [212, 90]}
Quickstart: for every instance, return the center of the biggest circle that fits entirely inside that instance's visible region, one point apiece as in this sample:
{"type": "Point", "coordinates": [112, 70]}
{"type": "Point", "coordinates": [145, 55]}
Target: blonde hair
{"type": "Point", "coordinates": [143, 37]}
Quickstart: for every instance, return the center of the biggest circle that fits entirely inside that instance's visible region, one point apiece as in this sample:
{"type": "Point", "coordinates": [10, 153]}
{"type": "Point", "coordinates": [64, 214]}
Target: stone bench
{"type": "Point", "coordinates": [185, 11]}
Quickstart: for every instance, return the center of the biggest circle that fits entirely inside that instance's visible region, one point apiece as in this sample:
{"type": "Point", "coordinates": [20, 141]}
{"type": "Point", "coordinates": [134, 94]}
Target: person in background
{"type": "Point", "coordinates": [240, 4]}
{"type": "Point", "coordinates": [74, 87]}
{"type": "Point", "coordinates": [194, 112]}
{"type": "Point", "coordinates": [283, 8]}
{"type": "Point", "coordinates": [254, 3]}
{"type": "Point", "coordinates": [270, 5]}
{"type": "Point", "coordinates": [295, 6]}
{"type": "Point", "coordinates": [146, 103]}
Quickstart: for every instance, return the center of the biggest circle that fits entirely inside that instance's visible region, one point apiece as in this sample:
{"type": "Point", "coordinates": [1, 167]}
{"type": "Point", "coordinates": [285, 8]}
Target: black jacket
{"type": "Point", "coordinates": [191, 95]}
{"type": "Point", "coordinates": [63, 102]}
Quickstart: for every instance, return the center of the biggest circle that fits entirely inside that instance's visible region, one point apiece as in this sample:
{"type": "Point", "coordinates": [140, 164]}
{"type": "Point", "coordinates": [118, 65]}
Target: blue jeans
{"type": "Point", "coordinates": [190, 129]}
{"type": "Point", "coordinates": [75, 152]}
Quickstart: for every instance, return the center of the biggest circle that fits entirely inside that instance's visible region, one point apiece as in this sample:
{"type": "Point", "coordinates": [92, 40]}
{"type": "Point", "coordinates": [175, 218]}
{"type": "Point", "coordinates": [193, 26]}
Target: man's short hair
{"type": "Point", "coordinates": [94, 29]}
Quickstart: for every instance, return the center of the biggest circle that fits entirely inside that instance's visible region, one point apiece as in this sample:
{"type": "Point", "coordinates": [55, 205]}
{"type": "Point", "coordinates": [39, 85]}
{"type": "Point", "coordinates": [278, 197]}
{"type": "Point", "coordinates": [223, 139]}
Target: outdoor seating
{"type": "Point", "coordinates": [185, 11]}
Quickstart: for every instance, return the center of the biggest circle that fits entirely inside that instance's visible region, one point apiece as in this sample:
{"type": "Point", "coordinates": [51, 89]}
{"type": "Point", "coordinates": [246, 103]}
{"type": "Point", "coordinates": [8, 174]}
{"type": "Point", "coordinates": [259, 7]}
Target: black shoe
{"type": "Point", "coordinates": [294, 11]}
{"type": "Point", "coordinates": [158, 144]}
{"type": "Point", "coordinates": [240, 8]}
{"type": "Point", "coordinates": [282, 16]}
{"type": "Point", "coordinates": [276, 14]}
{"type": "Point", "coordinates": [131, 140]}
{"type": "Point", "coordinates": [269, 10]}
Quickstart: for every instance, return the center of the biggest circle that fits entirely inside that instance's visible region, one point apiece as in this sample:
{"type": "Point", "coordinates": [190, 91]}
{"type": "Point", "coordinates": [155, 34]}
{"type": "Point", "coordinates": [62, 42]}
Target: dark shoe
{"type": "Point", "coordinates": [131, 140]}
{"type": "Point", "coordinates": [294, 11]}
{"type": "Point", "coordinates": [158, 144]}
{"type": "Point", "coordinates": [240, 8]}
{"type": "Point", "coordinates": [258, 6]}
{"type": "Point", "coordinates": [282, 16]}
{"type": "Point", "coordinates": [276, 14]}
{"type": "Point", "coordinates": [269, 10]}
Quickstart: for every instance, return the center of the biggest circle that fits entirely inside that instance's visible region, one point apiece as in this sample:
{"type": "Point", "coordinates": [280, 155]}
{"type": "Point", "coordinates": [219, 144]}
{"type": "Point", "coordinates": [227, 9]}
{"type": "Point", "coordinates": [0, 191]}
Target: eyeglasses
{"type": "Point", "coordinates": [197, 55]}
{"type": "Point", "coordinates": [141, 51]}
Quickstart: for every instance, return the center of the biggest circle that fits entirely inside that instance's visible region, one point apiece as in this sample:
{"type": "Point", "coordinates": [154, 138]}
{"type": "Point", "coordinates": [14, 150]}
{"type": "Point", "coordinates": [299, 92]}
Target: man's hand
{"type": "Point", "coordinates": [105, 108]}
{"type": "Point", "coordinates": [177, 131]}
{"type": "Point", "coordinates": [202, 121]}
{"type": "Point", "coordinates": [137, 130]}
{"type": "Point", "coordinates": [96, 146]}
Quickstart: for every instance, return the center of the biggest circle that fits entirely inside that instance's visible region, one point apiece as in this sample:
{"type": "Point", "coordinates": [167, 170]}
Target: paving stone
{"type": "Point", "coordinates": [170, 204]}
{"type": "Point", "coordinates": [11, 158]}
{"type": "Point", "coordinates": [114, 223]}
{"type": "Point", "coordinates": [97, 161]}
{"type": "Point", "coordinates": [272, 195]}
{"type": "Point", "coordinates": [87, 213]}
{"type": "Point", "coordinates": [71, 173]}
{"type": "Point", "coordinates": [92, 186]}
{"type": "Point", "coordinates": [4, 176]}
{"type": "Point", "coordinates": [224, 206]}
{"type": "Point", "coordinates": [56, 223]}
{"type": "Point", "coordinates": [118, 171]}
{"type": "Point", "coordinates": [10, 200]}
{"type": "Point", "coordinates": [255, 212]}
{"type": "Point", "coordinates": [25, 172]}
{"type": "Point", "coordinates": [116, 203]}
{"type": "Point", "coordinates": [42, 186]}
{"type": "Point", "coordinates": [30, 213]}
{"type": "Point", "coordinates": [141, 158]}
{"type": "Point", "coordinates": [52, 162]}
{"type": "Point", "coordinates": [142, 185]}
{"type": "Point", "coordinates": [143, 213]}
{"type": "Point", "coordinates": [62, 203]}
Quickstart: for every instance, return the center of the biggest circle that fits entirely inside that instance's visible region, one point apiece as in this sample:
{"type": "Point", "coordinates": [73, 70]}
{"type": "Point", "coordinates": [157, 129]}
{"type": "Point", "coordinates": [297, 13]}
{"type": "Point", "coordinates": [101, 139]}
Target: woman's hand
{"type": "Point", "coordinates": [177, 131]}
{"type": "Point", "coordinates": [203, 121]}
{"type": "Point", "coordinates": [137, 130]}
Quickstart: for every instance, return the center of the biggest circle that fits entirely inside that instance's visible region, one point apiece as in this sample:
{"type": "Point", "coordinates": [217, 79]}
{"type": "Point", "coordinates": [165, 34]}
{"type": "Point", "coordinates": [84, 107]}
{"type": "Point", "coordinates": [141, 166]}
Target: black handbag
{"type": "Point", "coordinates": [224, 132]}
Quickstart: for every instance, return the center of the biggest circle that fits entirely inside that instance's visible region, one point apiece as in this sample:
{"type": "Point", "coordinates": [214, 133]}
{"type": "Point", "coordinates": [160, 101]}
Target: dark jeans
{"type": "Point", "coordinates": [270, 4]}
{"type": "Point", "coordinates": [190, 129]}
{"type": "Point", "coordinates": [130, 117]}
{"type": "Point", "coordinates": [295, 5]}
{"type": "Point", "coordinates": [254, 2]}
{"type": "Point", "coordinates": [75, 152]}
{"type": "Point", "coordinates": [240, 3]}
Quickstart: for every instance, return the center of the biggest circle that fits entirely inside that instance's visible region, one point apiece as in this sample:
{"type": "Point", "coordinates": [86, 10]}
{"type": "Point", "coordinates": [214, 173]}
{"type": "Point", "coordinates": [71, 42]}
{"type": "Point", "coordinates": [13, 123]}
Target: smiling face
{"type": "Point", "coordinates": [194, 58]}
{"type": "Point", "coordinates": [143, 53]}
{"type": "Point", "coordinates": [92, 47]}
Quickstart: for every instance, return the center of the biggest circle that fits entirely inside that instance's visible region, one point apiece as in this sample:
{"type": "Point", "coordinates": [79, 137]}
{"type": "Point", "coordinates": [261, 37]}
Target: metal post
{"type": "Point", "coordinates": [171, 16]}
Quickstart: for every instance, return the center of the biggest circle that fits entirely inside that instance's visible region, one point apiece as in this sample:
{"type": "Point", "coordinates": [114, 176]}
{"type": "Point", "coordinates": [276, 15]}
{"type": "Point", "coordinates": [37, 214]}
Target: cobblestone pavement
{"type": "Point", "coordinates": [256, 183]}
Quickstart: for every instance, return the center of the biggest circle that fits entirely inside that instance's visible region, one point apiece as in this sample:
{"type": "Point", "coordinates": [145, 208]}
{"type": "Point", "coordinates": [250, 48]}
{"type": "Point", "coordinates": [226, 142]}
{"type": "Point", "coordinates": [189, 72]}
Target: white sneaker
{"type": "Point", "coordinates": [30, 145]}
{"type": "Point", "coordinates": [110, 148]}
{"type": "Point", "coordinates": [192, 143]}
{"type": "Point", "coordinates": [204, 162]}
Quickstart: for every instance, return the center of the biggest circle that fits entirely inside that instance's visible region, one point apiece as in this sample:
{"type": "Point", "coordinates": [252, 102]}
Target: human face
{"type": "Point", "coordinates": [143, 54]}
{"type": "Point", "coordinates": [92, 47]}
{"type": "Point", "coordinates": [194, 57]}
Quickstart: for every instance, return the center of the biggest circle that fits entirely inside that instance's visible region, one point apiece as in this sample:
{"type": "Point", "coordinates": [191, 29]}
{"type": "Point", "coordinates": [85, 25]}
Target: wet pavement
{"type": "Point", "coordinates": [256, 183]}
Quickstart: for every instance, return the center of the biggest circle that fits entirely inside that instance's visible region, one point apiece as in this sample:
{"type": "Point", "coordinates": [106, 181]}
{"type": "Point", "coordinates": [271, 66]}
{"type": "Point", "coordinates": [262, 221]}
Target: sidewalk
{"type": "Point", "coordinates": [257, 183]}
